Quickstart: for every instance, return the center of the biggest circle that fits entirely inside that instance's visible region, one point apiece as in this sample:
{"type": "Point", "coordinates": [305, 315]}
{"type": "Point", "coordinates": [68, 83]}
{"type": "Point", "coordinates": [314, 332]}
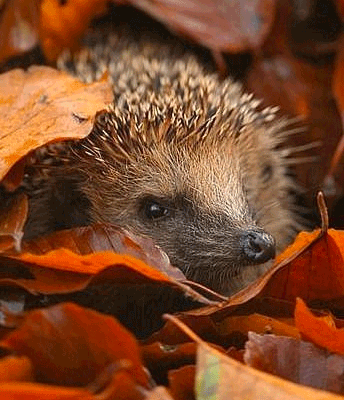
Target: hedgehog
{"type": "Point", "coordinates": [181, 156]}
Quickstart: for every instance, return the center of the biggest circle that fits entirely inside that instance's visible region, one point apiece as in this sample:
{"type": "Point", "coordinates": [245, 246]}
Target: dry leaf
{"type": "Point", "coordinates": [103, 237]}
{"type": "Point", "coordinates": [221, 377]}
{"type": "Point", "coordinates": [222, 26]}
{"type": "Point", "coordinates": [43, 105]}
{"type": "Point", "coordinates": [13, 368]}
{"type": "Point", "coordinates": [62, 271]}
{"type": "Point", "coordinates": [296, 360]}
{"type": "Point", "coordinates": [257, 323]}
{"type": "Point", "coordinates": [182, 382]}
{"type": "Point", "coordinates": [230, 26]}
{"type": "Point", "coordinates": [81, 343]}
{"type": "Point", "coordinates": [319, 330]}
{"type": "Point", "coordinates": [63, 24]}
{"type": "Point", "coordinates": [33, 391]}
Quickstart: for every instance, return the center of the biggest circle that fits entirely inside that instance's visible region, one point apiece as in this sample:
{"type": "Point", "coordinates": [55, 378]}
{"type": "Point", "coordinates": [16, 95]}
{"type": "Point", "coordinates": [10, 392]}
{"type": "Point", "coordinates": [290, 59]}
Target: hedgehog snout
{"type": "Point", "coordinates": [257, 246]}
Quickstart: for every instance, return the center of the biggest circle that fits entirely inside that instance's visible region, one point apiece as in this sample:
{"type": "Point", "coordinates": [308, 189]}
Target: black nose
{"type": "Point", "coordinates": [258, 246]}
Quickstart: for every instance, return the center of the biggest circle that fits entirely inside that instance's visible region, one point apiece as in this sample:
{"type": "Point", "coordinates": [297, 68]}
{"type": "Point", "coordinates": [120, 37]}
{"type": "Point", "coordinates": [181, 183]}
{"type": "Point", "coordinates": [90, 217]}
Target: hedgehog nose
{"type": "Point", "coordinates": [258, 246]}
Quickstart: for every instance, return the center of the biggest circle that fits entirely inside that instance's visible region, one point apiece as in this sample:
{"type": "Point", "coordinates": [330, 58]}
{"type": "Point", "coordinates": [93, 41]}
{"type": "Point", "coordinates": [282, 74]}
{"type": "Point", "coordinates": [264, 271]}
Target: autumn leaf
{"type": "Point", "coordinates": [81, 344]}
{"type": "Point", "coordinates": [103, 237]}
{"type": "Point", "coordinates": [234, 27]}
{"type": "Point", "coordinates": [71, 260]}
{"type": "Point", "coordinates": [31, 391]}
{"type": "Point", "coordinates": [298, 361]}
{"type": "Point", "coordinates": [319, 330]}
{"type": "Point", "coordinates": [62, 24]}
{"type": "Point", "coordinates": [182, 382]}
{"type": "Point", "coordinates": [62, 271]}
{"type": "Point", "coordinates": [44, 105]}
{"type": "Point", "coordinates": [221, 26]}
{"type": "Point", "coordinates": [14, 368]}
{"type": "Point", "coordinates": [222, 377]}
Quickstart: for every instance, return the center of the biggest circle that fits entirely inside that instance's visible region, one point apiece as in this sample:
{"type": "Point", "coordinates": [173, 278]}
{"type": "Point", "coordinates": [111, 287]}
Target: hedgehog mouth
{"type": "Point", "coordinates": [227, 278]}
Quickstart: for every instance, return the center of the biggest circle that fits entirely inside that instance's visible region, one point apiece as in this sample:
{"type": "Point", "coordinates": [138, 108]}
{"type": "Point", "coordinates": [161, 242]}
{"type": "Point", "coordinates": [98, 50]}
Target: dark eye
{"type": "Point", "coordinates": [153, 210]}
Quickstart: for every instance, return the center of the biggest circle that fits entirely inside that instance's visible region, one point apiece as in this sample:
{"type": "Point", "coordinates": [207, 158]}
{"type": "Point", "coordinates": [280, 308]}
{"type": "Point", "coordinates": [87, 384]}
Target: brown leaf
{"type": "Point", "coordinates": [230, 26]}
{"type": "Point", "coordinates": [62, 271]}
{"type": "Point", "coordinates": [223, 378]}
{"type": "Point", "coordinates": [301, 90]}
{"type": "Point", "coordinates": [13, 368]}
{"type": "Point", "coordinates": [81, 343]}
{"type": "Point", "coordinates": [102, 237]}
{"type": "Point", "coordinates": [228, 325]}
{"type": "Point", "coordinates": [30, 391]}
{"type": "Point", "coordinates": [295, 360]}
{"type": "Point", "coordinates": [257, 323]}
{"type": "Point", "coordinates": [40, 271]}
{"type": "Point", "coordinates": [43, 105]}
{"type": "Point", "coordinates": [316, 274]}
{"type": "Point", "coordinates": [182, 382]}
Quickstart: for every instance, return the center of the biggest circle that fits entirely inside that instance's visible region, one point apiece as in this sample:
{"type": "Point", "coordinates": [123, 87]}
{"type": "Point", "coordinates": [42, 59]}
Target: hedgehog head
{"type": "Point", "coordinates": [191, 162]}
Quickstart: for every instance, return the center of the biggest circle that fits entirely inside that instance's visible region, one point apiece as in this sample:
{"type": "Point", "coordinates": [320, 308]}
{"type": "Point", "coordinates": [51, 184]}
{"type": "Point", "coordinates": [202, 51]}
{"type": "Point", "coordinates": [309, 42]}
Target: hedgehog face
{"type": "Point", "coordinates": [193, 204]}
{"type": "Point", "coordinates": [189, 161]}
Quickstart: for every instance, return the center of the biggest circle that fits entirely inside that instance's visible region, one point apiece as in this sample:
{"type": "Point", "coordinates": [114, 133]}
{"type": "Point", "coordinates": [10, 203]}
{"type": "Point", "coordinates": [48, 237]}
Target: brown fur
{"type": "Point", "coordinates": [179, 135]}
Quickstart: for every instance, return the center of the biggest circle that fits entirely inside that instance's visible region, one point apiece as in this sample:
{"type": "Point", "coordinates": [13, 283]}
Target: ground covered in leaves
{"type": "Point", "coordinates": [284, 330]}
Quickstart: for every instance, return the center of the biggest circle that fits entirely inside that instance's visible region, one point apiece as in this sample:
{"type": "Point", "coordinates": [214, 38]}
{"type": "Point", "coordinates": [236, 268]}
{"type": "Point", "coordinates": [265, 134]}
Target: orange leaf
{"type": "Point", "coordinates": [311, 268]}
{"type": "Point", "coordinates": [43, 105]}
{"type": "Point", "coordinates": [318, 329]}
{"type": "Point", "coordinates": [15, 369]}
{"type": "Point", "coordinates": [62, 271]}
{"type": "Point", "coordinates": [104, 237]}
{"type": "Point", "coordinates": [182, 382]}
{"type": "Point", "coordinates": [316, 274]}
{"type": "Point", "coordinates": [33, 391]}
{"type": "Point", "coordinates": [63, 24]}
{"type": "Point", "coordinates": [69, 345]}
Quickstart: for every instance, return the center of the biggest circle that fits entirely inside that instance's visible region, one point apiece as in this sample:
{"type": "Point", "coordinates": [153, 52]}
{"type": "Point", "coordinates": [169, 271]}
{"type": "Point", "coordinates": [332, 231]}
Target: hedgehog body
{"type": "Point", "coordinates": [182, 157]}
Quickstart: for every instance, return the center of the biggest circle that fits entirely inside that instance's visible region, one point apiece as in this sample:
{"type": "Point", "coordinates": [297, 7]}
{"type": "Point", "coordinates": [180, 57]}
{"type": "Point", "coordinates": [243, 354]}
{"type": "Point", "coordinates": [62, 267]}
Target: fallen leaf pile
{"type": "Point", "coordinates": [67, 299]}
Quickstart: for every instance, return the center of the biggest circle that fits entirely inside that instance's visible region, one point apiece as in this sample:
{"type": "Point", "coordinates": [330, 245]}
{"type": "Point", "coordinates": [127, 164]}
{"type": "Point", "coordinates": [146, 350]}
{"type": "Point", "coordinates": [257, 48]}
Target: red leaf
{"type": "Point", "coordinates": [69, 345]}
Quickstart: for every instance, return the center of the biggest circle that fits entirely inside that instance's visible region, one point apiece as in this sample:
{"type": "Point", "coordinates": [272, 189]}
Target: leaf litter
{"type": "Point", "coordinates": [312, 268]}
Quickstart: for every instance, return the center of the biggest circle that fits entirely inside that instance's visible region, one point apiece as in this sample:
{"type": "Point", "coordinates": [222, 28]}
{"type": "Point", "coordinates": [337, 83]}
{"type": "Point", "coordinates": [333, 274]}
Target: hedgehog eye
{"type": "Point", "coordinates": [153, 210]}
